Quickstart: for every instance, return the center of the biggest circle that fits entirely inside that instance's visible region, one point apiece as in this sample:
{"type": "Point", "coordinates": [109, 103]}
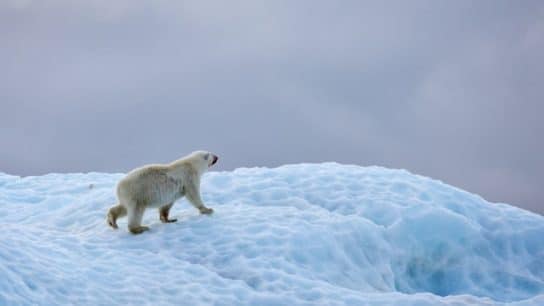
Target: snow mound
{"type": "Point", "coordinates": [303, 234]}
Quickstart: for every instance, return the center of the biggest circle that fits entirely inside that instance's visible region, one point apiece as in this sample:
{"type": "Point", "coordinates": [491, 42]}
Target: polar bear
{"type": "Point", "coordinates": [160, 186]}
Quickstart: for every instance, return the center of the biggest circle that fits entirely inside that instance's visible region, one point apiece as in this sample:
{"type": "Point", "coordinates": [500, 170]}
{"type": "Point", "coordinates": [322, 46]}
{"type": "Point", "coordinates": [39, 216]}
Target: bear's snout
{"type": "Point", "coordinates": [215, 159]}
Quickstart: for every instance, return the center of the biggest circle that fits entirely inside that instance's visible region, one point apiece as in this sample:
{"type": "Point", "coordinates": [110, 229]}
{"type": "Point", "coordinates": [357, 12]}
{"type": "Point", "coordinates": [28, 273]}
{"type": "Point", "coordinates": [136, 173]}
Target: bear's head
{"type": "Point", "coordinates": [211, 159]}
{"type": "Point", "coordinates": [205, 158]}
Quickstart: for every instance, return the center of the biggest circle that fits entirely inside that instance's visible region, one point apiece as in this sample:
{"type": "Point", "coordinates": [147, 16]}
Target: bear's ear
{"type": "Point", "coordinates": [207, 156]}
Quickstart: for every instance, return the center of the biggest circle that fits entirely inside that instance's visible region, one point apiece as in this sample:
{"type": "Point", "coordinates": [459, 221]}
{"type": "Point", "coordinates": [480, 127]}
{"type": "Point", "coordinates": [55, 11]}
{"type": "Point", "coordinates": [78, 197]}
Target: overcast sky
{"type": "Point", "coordinates": [448, 89]}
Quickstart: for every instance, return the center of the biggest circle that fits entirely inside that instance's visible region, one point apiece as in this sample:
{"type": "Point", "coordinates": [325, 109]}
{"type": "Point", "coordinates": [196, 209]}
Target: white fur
{"type": "Point", "coordinates": [160, 186]}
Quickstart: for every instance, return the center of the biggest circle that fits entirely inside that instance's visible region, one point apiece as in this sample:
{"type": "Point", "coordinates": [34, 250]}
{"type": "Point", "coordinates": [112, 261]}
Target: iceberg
{"type": "Point", "coordinates": [305, 234]}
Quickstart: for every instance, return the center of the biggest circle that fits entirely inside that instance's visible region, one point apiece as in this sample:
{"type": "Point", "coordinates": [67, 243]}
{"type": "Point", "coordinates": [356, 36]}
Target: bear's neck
{"type": "Point", "coordinates": [180, 168]}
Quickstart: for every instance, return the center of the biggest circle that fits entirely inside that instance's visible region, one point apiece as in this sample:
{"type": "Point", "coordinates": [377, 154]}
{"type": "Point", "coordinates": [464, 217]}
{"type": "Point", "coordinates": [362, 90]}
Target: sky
{"type": "Point", "coordinates": [447, 89]}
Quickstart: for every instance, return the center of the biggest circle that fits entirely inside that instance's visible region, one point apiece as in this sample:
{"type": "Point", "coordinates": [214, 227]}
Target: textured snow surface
{"type": "Point", "coordinates": [304, 234]}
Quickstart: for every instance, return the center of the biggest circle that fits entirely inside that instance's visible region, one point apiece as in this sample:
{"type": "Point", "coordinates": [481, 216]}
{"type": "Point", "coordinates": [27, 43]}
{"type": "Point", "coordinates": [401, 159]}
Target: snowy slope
{"type": "Point", "coordinates": [304, 234]}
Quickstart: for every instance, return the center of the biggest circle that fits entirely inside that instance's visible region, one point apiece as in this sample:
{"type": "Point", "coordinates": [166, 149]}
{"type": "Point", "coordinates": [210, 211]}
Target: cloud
{"type": "Point", "coordinates": [448, 90]}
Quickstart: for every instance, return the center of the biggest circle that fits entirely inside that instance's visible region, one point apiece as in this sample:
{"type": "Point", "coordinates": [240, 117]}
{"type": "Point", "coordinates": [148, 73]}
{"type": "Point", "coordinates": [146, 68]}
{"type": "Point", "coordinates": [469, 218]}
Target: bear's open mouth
{"type": "Point", "coordinates": [215, 158]}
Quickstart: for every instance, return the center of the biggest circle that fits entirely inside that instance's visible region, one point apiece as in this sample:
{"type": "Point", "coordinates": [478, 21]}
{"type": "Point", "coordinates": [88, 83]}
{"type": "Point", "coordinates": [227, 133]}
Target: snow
{"type": "Point", "coordinates": [307, 234]}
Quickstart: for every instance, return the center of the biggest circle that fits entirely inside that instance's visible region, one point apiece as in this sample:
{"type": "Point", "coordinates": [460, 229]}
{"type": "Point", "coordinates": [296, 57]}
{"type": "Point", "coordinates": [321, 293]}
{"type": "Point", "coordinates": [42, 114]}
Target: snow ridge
{"type": "Point", "coordinates": [302, 234]}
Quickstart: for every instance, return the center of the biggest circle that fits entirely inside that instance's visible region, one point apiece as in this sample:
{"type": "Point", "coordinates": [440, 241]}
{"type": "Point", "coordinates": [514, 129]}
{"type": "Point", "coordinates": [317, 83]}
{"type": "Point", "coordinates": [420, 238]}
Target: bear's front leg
{"type": "Point", "coordinates": [192, 192]}
{"type": "Point", "coordinates": [205, 210]}
{"type": "Point", "coordinates": [163, 213]}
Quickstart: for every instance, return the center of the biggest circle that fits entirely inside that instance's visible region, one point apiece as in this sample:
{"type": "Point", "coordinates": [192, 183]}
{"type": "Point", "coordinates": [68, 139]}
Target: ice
{"type": "Point", "coordinates": [307, 234]}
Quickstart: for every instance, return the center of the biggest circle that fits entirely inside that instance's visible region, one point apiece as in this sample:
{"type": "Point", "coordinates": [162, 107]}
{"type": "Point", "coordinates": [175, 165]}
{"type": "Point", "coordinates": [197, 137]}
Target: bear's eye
{"type": "Point", "coordinates": [207, 156]}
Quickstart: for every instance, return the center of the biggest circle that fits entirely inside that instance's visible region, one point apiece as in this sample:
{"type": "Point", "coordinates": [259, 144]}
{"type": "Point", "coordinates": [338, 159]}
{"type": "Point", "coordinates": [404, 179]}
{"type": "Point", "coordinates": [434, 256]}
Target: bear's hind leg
{"type": "Point", "coordinates": [115, 212]}
{"type": "Point", "coordinates": [135, 215]}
